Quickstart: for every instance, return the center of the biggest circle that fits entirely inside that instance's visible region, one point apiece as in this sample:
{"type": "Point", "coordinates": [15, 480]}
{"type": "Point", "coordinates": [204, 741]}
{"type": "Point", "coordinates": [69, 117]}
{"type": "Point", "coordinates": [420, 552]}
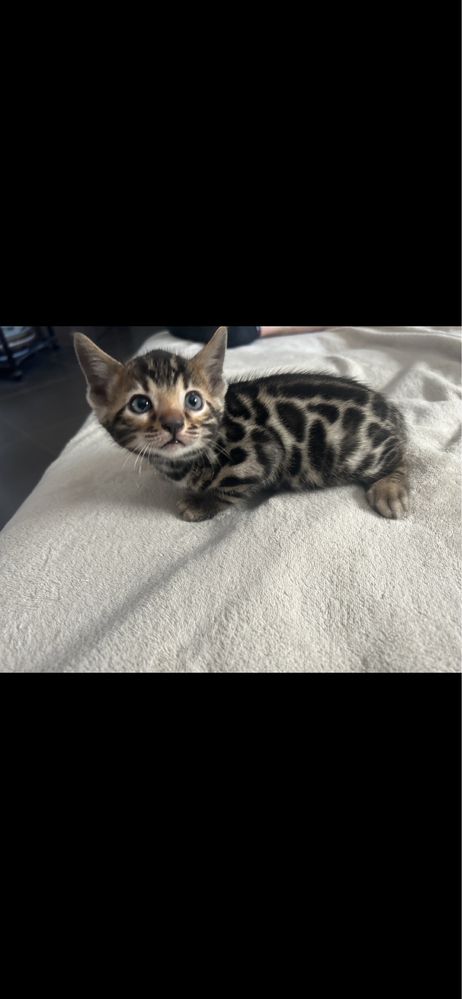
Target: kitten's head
{"type": "Point", "coordinates": [159, 401]}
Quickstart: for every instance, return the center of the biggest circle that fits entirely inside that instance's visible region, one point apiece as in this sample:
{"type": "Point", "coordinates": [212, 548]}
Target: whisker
{"type": "Point", "coordinates": [221, 449]}
{"type": "Point", "coordinates": [142, 456]}
{"type": "Point", "coordinates": [130, 454]}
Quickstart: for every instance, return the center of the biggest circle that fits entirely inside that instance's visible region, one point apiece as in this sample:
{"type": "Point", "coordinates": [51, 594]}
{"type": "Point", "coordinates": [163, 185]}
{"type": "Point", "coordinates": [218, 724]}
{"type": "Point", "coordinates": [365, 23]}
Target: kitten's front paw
{"type": "Point", "coordinates": [197, 508]}
{"type": "Point", "coordinates": [389, 498]}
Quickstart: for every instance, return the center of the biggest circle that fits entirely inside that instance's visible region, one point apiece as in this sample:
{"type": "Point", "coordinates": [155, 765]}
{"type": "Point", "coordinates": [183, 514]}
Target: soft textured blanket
{"type": "Point", "coordinates": [98, 574]}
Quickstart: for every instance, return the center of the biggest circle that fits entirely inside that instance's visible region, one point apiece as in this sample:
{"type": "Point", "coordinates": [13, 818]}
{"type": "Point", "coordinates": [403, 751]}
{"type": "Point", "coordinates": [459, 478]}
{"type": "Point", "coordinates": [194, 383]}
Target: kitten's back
{"type": "Point", "coordinates": [326, 428]}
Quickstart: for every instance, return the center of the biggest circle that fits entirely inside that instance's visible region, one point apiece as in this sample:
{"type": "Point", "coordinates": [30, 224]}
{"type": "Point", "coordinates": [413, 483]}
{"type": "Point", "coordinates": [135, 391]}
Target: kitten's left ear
{"type": "Point", "coordinates": [211, 358]}
{"type": "Point", "coordinates": [99, 368]}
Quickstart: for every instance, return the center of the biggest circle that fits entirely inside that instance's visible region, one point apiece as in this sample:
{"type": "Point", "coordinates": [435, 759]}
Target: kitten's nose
{"type": "Point", "coordinates": [173, 426]}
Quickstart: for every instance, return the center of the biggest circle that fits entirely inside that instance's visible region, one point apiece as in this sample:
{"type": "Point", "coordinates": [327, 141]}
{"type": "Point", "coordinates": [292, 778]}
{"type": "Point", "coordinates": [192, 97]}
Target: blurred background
{"type": "Point", "coordinates": [42, 398]}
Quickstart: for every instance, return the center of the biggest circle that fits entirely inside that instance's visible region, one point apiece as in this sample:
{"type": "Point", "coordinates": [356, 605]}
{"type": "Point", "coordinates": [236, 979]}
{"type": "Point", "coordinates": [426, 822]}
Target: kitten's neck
{"type": "Point", "coordinates": [191, 458]}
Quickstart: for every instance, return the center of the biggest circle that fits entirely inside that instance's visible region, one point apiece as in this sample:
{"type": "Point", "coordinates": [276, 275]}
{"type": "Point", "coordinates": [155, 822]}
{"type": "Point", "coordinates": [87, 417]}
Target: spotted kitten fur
{"type": "Point", "coordinates": [224, 442]}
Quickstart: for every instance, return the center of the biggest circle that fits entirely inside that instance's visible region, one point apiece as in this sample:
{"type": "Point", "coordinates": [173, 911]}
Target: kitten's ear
{"type": "Point", "coordinates": [99, 368]}
{"type": "Point", "coordinates": [211, 358]}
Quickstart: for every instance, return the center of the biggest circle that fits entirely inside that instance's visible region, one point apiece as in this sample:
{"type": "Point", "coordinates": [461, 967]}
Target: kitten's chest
{"type": "Point", "coordinates": [187, 475]}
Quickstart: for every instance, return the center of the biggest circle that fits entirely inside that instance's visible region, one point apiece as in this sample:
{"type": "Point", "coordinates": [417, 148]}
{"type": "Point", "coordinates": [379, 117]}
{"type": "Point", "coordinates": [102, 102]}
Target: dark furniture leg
{"type": "Point", "coordinates": [49, 337]}
{"type": "Point", "coordinates": [52, 336]}
{"type": "Point", "coordinates": [13, 365]}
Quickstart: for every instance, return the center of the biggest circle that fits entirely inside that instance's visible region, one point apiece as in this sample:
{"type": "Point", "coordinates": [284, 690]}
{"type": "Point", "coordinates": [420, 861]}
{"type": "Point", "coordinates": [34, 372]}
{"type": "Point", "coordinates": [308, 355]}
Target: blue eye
{"type": "Point", "coordinates": [140, 404]}
{"type": "Point", "coordinates": [194, 401]}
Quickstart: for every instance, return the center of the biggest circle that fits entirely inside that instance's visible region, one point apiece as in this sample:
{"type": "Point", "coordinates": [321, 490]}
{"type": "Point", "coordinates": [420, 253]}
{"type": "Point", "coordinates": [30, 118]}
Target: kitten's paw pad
{"type": "Point", "coordinates": [390, 499]}
{"type": "Point", "coordinates": [195, 509]}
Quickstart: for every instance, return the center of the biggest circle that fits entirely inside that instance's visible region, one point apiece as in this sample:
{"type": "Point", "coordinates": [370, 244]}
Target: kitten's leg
{"type": "Point", "coordinates": [204, 506]}
{"type": "Point", "coordinates": [390, 495]}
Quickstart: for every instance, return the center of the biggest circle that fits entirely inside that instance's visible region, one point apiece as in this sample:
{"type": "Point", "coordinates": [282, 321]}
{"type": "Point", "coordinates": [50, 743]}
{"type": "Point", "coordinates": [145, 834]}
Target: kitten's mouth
{"type": "Point", "coordinates": [173, 445]}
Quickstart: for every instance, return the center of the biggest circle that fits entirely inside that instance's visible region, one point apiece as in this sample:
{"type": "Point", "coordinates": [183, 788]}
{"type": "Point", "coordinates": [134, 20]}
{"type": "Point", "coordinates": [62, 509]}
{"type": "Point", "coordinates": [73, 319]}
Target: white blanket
{"type": "Point", "coordinates": [98, 574]}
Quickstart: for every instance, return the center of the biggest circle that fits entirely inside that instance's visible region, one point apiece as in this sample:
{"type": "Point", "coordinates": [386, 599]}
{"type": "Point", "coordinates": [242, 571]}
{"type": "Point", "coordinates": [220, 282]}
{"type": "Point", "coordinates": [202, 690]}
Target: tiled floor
{"type": "Point", "coordinates": [40, 414]}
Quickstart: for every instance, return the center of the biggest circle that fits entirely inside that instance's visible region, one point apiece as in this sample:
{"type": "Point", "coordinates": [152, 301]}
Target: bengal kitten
{"type": "Point", "coordinates": [224, 442]}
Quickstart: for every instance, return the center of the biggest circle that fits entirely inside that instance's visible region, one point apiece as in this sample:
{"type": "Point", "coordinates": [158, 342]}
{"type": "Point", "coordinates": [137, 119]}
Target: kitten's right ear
{"type": "Point", "coordinates": [99, 368]}
{"type": "Point", "coordinates": [211, 358]}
